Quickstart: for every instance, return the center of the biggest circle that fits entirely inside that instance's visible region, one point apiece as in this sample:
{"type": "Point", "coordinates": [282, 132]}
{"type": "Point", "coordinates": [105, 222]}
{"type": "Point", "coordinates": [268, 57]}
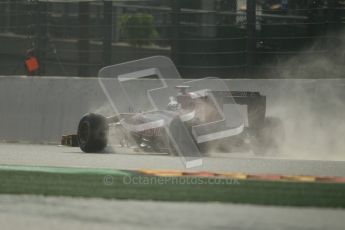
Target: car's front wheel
{"type": "Point", "coordinates": [93, 133]}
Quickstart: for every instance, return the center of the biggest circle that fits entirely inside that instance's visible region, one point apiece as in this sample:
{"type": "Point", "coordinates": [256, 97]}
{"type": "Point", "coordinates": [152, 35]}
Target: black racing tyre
{"type": "Point", "coordinates": [93, 133]}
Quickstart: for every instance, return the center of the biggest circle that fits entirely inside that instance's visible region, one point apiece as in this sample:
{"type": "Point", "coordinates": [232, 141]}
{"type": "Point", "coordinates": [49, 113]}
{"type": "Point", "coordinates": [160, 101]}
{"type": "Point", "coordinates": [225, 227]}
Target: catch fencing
{"type": "Point", "coordinates": [226, 38]}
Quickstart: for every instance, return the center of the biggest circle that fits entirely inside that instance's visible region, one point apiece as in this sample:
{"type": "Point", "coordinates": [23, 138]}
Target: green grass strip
{"type": "Point", "coordinates": [66, 170]}
{"type": "Point", "coordinates": [117, 186]}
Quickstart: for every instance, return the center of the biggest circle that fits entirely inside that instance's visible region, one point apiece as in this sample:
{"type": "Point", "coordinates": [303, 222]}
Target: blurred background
{"type": "Point", "coordinates": [223, 38]}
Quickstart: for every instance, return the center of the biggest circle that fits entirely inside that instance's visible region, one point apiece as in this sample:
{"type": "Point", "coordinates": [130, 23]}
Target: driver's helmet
{"type": "Point", "coordinates": [173, 104]}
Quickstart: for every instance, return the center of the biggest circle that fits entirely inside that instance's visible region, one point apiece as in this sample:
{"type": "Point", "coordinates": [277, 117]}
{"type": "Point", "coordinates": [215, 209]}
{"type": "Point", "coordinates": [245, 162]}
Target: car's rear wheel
{"type": "Point", "coordinates": [93, 133]}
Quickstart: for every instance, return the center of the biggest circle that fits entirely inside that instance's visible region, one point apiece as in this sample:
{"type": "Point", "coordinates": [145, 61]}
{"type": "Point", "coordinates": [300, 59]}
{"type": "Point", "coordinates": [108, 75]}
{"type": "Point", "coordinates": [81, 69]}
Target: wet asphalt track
{"type": "Point", "coordinates": [123, 158]}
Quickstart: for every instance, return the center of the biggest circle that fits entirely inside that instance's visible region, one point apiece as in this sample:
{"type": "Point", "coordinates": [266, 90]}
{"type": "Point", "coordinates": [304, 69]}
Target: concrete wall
{"type": "Point", "coordinates": [41, 109]}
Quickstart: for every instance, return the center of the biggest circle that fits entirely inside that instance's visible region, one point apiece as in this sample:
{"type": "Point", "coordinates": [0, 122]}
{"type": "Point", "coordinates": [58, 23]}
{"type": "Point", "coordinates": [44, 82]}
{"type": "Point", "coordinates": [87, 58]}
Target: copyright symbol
{"type": "Point", "coordinates": [108, 180]}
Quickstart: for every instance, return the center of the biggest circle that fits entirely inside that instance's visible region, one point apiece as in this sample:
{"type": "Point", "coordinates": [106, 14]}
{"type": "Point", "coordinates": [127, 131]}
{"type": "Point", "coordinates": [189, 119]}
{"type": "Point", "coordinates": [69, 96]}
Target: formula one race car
{"type": "Point", "coordinates": [202, 116]}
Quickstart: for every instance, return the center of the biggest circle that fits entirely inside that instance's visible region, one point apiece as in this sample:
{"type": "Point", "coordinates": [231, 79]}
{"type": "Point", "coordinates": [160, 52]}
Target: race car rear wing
{"type": "Point", "coordinates": [254, 102]}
